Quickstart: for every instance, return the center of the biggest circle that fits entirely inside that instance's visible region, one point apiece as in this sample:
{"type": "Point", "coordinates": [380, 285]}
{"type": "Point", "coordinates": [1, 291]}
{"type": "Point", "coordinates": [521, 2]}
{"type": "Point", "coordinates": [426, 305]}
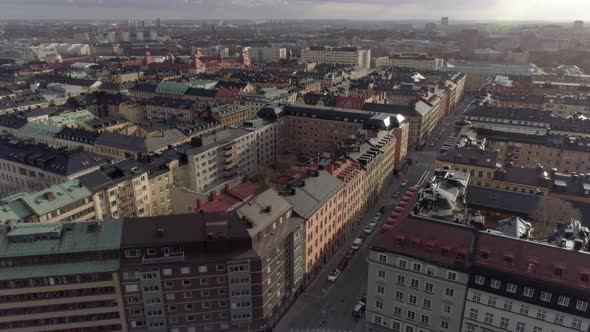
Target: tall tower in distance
{"type": "Point", "coordinates": [578, 30]}
{"type": "Point", "coordinates": [444, 25]}
{"type": "Point", "coordinates": [158, 23]}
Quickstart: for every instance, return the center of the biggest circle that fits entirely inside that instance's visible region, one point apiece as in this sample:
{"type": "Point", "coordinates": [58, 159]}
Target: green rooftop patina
{"type": "Point", "coordinates": [60, 238]}
{"type": "Point", "coordinates": [36, 271]}
{"type": "Point", "coordinates": [73, 119]}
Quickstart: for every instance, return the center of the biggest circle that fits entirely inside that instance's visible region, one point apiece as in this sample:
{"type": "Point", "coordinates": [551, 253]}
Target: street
{"type": "Point", "coordinates": [326, 306]}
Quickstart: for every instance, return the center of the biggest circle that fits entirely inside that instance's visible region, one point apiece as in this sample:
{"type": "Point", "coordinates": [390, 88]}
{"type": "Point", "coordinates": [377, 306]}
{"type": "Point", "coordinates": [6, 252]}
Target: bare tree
{"type": "Point", "coordinates": [551, 211]}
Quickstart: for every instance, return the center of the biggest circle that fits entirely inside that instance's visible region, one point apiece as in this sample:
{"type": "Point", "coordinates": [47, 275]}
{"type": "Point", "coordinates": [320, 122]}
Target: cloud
{"type": "Point", "coordinates": [299, 9]}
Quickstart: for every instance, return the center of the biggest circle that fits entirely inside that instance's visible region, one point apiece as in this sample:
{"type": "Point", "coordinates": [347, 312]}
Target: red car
{"type": "Point", "coordinates": [343, 263]}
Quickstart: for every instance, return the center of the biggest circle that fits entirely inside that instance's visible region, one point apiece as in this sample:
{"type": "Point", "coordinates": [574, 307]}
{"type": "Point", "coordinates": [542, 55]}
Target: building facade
{"type": "Point", "coordinates": [351, 56]}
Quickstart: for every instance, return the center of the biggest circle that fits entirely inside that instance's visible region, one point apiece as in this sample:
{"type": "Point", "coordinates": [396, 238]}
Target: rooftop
{"type": "Point", "coordinates": [309, 194]}
{"type": "Point", "coordinates": [469, 156]}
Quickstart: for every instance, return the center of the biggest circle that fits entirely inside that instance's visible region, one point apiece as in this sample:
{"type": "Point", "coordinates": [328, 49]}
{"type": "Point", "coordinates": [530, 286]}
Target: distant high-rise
{"type": "Point", "coordinates": [444, 24]}
{"type": "Point", "coordinates": [158, 23]}
{"type": "Point", "coordinates": [429, 27]}
{"type": "Point", "coordinates": [468, 41]}
{"type": "Point", "coordinates": [579, 30]}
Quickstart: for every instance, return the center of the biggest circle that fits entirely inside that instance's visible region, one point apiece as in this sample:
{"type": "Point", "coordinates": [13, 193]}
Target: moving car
{"type": "Point", "coordinates": [359, 309]}
{"type": "Point", "coordinates": [356, 244]}
{"type": "Point", "coordinates": [395, 194]}
{"type": "Point", "coordinates": [375, 219]}
{"type": "Point", "coordinates": [404, 183]}
{"type": "Point", "coordinates": [369, 228]}
{"type": "Point", "coordinates": [334, 275]}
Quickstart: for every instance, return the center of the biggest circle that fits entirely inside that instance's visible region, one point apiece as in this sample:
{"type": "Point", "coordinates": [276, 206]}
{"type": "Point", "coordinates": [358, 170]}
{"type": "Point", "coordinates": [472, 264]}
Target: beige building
{"type": "Point", "coordinates": [351, 56]}
{"type": "Point", "coordinates": [410, 60]}
{"type": "Point", "coordinates": [61, 276]}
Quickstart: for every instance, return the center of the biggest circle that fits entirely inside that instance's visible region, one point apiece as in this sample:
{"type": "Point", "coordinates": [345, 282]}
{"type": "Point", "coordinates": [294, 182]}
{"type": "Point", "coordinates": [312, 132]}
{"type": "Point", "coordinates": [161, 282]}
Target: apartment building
{"type": "Point", "coordinates": [318, 201]}
{"type": "Point", "coordinates": [263, 55]}
{"type": "Point", "coordinates": [161, 108]}
{"type": "Point", "coordinates": [61, 276]}
{"type": "Point", "coordinates": [421, 115]}
{"type": "Point", "coordinates": [256, 100]}
{"type": "Point", "coordinates": [217, 277]}
{"type": "Point", "coordinates": [566, 106]}
{"type": "Point", "coordinates": [418, 277]}
{"type": "Point", "coordinates": [481, 281]}
{"type": "Point", "coordinates": [351, 56]}
{"type": "Point", "coordinates": [233, 152]}
{"type": "Point", "coordinates": [410, 60]}
{"type": "Point", "coordinates": [67, 201]}
{"type": "Point", "coordinates": [26, 166]}
{"type": "Point", "coordinates": [231, 115]}
{"type": "Point", "coordinates": [520, 101]}
{"type": "Point", "coordinates": [353, 176]}
{"type": "Point", "coordinates": [119, 147]}
{"type": "Point", "coordinates": [479, 164]}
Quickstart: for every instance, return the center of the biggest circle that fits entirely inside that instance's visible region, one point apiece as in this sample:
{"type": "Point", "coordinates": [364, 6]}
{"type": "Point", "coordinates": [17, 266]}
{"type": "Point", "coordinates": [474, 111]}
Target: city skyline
{"type": "Point", "coordinates": [567, 10]}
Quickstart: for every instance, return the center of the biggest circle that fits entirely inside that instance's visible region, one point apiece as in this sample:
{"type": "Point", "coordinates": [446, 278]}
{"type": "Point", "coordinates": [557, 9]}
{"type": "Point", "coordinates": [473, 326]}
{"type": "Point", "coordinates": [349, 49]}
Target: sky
{"type": "Point", "coordinates": [551, 10]}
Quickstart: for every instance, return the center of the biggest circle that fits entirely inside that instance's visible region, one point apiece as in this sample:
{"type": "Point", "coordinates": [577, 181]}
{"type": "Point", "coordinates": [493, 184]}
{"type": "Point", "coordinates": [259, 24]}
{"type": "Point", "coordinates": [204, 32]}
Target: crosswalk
{"type": "Point", "coordinates": [317, 330]}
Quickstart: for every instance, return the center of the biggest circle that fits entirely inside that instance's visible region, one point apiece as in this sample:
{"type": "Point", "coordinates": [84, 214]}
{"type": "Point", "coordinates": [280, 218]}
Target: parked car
{"type": "Point", "coordinates": [375, 219]}
{"type": "Point", "coordinates": [334, 275]}
{"type": "Point", "coordinates": [356, 244]}
{"type": "Point", "coordinates": [359, 309]}
{"type": "Point", "coordinates": [343, 264]}
{"type": "Point", "coordinates": [369, 228]}
{"type": "Point", "coordinates": [395, 194]}
{"type": "Point", "coordinates": [404, 183]}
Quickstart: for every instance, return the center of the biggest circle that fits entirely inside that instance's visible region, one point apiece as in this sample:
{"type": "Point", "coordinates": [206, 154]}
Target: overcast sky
{"type": "Point", "coordinates": [563, 10]}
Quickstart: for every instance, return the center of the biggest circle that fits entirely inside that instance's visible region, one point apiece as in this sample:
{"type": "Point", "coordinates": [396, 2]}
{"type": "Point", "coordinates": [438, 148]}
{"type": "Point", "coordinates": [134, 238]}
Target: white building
{"type": "Point", "coordinates": [262, 55]}
{"type": "Point", "coordinates": [344, 55]}
{"type": "Point", "coordinates": [410, 60]}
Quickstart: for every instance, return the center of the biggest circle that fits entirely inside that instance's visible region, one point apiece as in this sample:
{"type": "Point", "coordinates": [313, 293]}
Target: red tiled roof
{"type": "Point", "coordinates": [227, 93]}
{"type": "Point", "coordinates": [516, 256]}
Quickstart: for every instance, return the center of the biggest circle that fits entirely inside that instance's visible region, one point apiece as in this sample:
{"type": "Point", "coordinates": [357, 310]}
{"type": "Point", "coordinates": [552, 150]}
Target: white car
{"type": "Point", "coordinates": [404, 183]}
{"type": "Point", "coordinates": [395, 194]}
{"type": "Point", "coordinates": [334, 275]}
{"type": "Point", "coordinates": [369, 228]}
{"type": "Point", "coordinates": [375, 219]}
{"type": "Point", "coordinates": [356, 244]}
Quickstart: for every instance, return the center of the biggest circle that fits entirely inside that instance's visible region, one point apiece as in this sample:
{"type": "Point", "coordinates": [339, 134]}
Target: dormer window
{"type": "Point", "coordinates": [508, 259]}
{"type": "Point", "coordinates": [483, 255]}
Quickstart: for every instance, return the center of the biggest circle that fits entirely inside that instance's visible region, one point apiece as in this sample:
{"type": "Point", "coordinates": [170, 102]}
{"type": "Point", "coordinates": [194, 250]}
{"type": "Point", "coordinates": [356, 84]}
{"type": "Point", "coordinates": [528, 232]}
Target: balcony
{"type": "Point", "coordinates": [230, 158]}
{"type": "Point", "coordinates": [163, 259]}
{"type": "Point", "coordinates": [231, 165]}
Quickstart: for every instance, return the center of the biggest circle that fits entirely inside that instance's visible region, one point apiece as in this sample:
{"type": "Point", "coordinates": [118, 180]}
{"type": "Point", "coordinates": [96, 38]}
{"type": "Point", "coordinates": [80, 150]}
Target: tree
{"type": "Point", "coordinates": [551, 211]}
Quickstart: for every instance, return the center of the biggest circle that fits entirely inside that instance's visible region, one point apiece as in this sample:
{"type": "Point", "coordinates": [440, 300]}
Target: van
{"type": "Point", "coordinates": [356, 244]}
{"type": "Point", "coordinates": [358, 310]}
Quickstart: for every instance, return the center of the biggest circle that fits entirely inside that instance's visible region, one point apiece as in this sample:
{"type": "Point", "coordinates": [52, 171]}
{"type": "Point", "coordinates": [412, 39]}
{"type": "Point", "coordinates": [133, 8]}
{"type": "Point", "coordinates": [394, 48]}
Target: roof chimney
{"type": "Point", "coordinates": [49, 196]}
{"type": "Point", "coordinates": [213, 195]}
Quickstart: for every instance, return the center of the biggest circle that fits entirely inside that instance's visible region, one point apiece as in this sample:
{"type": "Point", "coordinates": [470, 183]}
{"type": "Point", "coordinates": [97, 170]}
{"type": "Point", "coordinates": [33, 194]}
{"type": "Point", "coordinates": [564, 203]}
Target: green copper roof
{"type": "Point", "coordinates": [172, 88]}
{"type": "Point", "coordinates": [14, 211]}
{"type": "Point", "coordinates": [60, 238]}
{"type": "Point", "coordinates": [35, 271]}
{"type": "Point", "coordinates": [40, 129]}
{"type": "Point", "coordinates": [74, 118]}
{"type": "Point", "coordinates": [41, 203]}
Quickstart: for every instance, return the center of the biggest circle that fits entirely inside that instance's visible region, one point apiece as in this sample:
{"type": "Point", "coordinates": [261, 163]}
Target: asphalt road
{"type": "Point", "coordinates": [327, 306]}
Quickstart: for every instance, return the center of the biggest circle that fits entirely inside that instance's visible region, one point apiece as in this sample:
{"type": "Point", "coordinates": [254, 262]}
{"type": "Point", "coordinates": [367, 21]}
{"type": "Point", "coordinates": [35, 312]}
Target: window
{"type": "Point", "coordinates": [377, 319]}
{"type": "Point", "coordinates": [424, 319]}
{"type": "Point", "coordinates": [430, 270]}
{"type": "Point", "coordinates": [132, 288]}
{"type": "Point", "coordinates": [220, 267]}
{"type": "Point", "coordinates": [577, 323]}
{"type": "Point", "coordinates": [401, 280]}
{"type": "Point", "coordinates": [558, 319]}
{"type": "Point", "coordinates": [185, 270]}
{"type": "Point", "coordinates": [470, 328]}
{"type": "Point", "coordinates": [492, 301]}
{"type": "Point", "coordinates": [452, 276]}
{"type": "Point", "coordinates": [413, 299]}
{"type": "Point", "coordinates": [541, 314]}
{"type": "Point", "coordinates": [489, 318]}
{"type": "Point", "coordinates": [429, 287]}
{"type": "Point", "coordinates": [382, 258]}
{"type": "Point", "coordinates": [168, 284]}
{"type": "Point", "coordinates": [582, 305]}
{"type": "Point", "coordinates": [402, 263]}
{"type": "Point", "coordinates": [167, 272]}
{"type": "Point", "coordinates": [399, 296]}
{"type": "Point", "coordinates": [132, 253]}
{"type": "Point", "coordinates": [528, 292]}
{"type": "Point", "coordinates": [473, 314]}
{"type": "Point", "coordinates": [511, 288]}
{"type": "Point", "coordinates": [476, 297]}
{"type": "Point", "coordinates": [504, 321]}
{"type": "Point", "coordinates": [186, 283]}
{"type": "Point", "coordinates": [449, 292]}
{"type": "Point", "coordinates": [411, 315]}
{"type": "Point", "coordinates": [563, 301]}
{"type": "Point", "coordinates": [524, 309]}
{"type": "Point", "coordinates": [508, 305]}
{"type": "Point", "coordinates": [480, 280]}
{"type": "Point", "coordinates": [447, 308]}
{"type": "Point", "coordinates": [381, 274]}
{"type": "Point", "coordinates": [495, 283]}
{"type": "Point", "coordinates": [545, 296]}
{"type": "Point", "coordinates": [380, 289]}
{"type": "Point", "coordinates": [187, 295]}
{"type": "Point", "coordinates": [396, 326]}
{"type": "Point", "coordinates": [426, 303]}
{"type": "Point", "coordinates": [202, 268]}
{"type": "Point", "coordinates": [379, 304]}
{"type": "Point", "coordinates": [444, 324]}
{"type": "Point", "coordinates": [417, 267]}
{"type": "Point", "coordinates": [188, 306]}
{"type": "Point", "coordinates": [397, 311]}
{"type": "Point", "coordinates": [415, 283]}
{"type": "Point", "coordinates": [520, 327]}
